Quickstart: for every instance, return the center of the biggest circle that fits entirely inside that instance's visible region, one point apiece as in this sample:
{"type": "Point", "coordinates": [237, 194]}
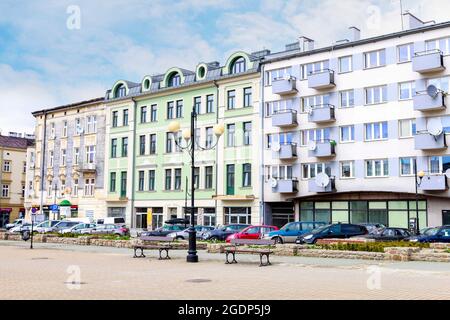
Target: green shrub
{"type": "Point", "coordinates": [371, 246]}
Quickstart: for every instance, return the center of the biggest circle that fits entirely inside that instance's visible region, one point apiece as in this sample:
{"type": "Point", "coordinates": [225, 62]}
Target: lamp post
{"type": "Point", "coordinates": [191, 143]}
{"type": "Point", "coordinates": [418, 177]}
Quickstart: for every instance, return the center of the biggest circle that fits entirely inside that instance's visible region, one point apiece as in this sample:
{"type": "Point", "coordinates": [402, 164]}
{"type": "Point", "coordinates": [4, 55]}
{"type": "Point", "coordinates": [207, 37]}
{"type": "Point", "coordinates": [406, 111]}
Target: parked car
{"type": "Point", "coordinates": [163, 231]}
{"type": "Point", "coordinates": [46, 226]}
{"type": "Point", "coordinates": [252, 233]}
{"type": "Point", "coordinates": [81, 228]}
{"type": "Point", "coordinates": [373, 228]}
{"type": "Point", "coordinates": [113, 229]}
{"type": "Point", "coordinates": [291, 231]}
{"type": "Point", "coordinates": [441, 234]}
{"type": "Point", "coordinates": [338, 231]}
{"type": "Point", "coordinates": [63, 225]}
{"type": "Point", "coordinates": [184, 235]}
{"type": "Point", "coordinates": [221, 233]}
{"type": "Point", "coordinates": [20, 228]}
{"type": "Point", "coordinates": [15, 223]}
{"type": "Point", "coordinates": [390, 234]}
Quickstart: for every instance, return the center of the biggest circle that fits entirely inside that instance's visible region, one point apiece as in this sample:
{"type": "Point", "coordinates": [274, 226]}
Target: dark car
{"type": "Point", "coordinates": [163, 231]}
{"type": "Point", "coordinates": [373, 228]}
{"type": "Point", "coordinates": [334, 231]}
{"type": "Point", "coordinates": [391, 234]}
{"type": "Point", "coordinates": [441, 234]}
{"type": "Point", "coordinates": [221, 233]}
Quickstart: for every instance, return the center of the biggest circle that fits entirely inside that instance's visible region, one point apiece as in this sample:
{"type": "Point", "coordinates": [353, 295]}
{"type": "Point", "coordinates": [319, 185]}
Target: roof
{"type": "Point", "coordinates": [15, 143]}
{"type": "Point", "coordinates": [69, 106]}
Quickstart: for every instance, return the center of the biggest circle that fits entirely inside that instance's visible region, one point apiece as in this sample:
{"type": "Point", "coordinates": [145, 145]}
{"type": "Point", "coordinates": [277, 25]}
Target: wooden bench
{"type": "Point", "coordinates": [262, 247]}
{"type": "Point", "coordinates": [163, 244]}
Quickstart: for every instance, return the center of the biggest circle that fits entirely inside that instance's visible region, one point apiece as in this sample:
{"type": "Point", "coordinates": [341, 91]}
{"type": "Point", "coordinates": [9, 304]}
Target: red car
{"type": "Point", "coordinates": [252, 233]}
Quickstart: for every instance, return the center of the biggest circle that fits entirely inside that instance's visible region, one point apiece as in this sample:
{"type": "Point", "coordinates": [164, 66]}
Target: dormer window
{"type": "Point", "coordinates": [121, 91]}
{"type": "Point", "coordinates": [174, 80]}
{"type": "Point", "coordinates": [239, 66]}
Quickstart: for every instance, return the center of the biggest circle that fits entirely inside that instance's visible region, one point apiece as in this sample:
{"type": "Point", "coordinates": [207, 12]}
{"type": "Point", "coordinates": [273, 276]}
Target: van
{"type": "Point", "coordinates": [111, 220]}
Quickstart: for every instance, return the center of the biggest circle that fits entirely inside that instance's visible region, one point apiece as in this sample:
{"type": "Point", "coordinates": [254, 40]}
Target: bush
{"type": "Point", "coordinates": [371, 246]}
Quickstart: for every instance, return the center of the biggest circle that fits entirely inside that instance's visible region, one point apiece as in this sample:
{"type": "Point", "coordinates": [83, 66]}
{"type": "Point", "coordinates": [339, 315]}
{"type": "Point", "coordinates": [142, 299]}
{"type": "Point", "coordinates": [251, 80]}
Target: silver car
{"type": "Point", "coordinates": [46, 226]}
{"type": "Point", "coordinates": [81, 228]}
{"type": "Point", "coordinates": [184, 235]}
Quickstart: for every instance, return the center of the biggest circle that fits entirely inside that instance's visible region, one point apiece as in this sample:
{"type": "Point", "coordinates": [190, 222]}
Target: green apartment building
{"type": "Point", "coordinates": [148, 173]}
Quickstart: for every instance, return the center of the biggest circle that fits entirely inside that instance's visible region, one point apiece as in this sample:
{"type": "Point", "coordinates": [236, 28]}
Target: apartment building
{"type": "Point", "coordinates": [347, 126]}
{"type": "Point", "coordinates": [13, 153]}
{"type": "Point", "coordinates": [67, 164]}
{"type": "Point", "coordinates": [148, 173]}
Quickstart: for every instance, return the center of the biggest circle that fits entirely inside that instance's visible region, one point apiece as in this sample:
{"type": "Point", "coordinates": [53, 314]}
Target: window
{"type": "Point", "coordinates": [64, 130]}
{"type": "Point", "coordinates": [197, 138]}
{"type": "Point", "coordinates": [440, 83]}
{"type": "Point", "coordinates": [345, 64]}
{"type": "Point", "coordinates": [141, 181]}
{"type": "Point", "coordinates": [239, 66]}
{"type": "Point", "coordinates": [313, 101]}
{"type": "Point", "coordinates": [277, 74]}
{"type": "Point", "coordinates": [231, 128]}
{"type": "Point", "coordinates": [170, 107]}
{"type": "Point", "coordinates": [280, 106]}
{"type": "Point", "coordinates": [125, 147]}
{"type": "Point", "coordinates": [169, 142]}
{"type": "Point", "coordinates": [439, 165]}
{"type": "Point", "coordinates": [153, 144]}
{"type": "Point", "coordinates": [347, 98]}
{"type": "Point", "coordinates": [231, 99]}
{"type": "Point", "coordinates": [168, 182]}
{"type": "Point", "coordinates": [115, 119]}
{"type": "Point", "coordinates": [174, 80]}
{"type": "Point", "coordinates": [376, 95]}
{"type": "Point", "coordinates": [75, 188]}
{"type": "Point", "coordinates": [317, 135]}
{"type": "Point", "coordinates": [89, 187]}
{"type": "Point", "coordinates": [405, 52]}
{"type": "Point", "coordinates": [5, 191]}
{"type": "Point", "coordinates": [91, 126]}
{"type": "Point", "coordinates": [248, 97]}
{"type": "Point", "coordinates": [143, 114]}
{"type": "Point", "coordinates": [442, 44]}
{"type": "Point", "coordinates": [209, 137]}
{"type": "Point", "coordinates": [51, 155]}
{"type": "Point", "coordinates": [142, 144]}
{"type": "Point", "coordinates": [376, 131]}
{"type": "Point", "coordinates": [112, 182]}
{"type": "Point", "coordinates": [63, 157]}
{"type": "Point", "coordinates": [247, 133]}
{"type": "Point", "coordinates": [90, 154]}
{"type": "Point", "coordinates": [151, 180]}
{"type": "Point", "coordinates": [347, 134]}
{"type": "Point", "coordinates": [198, 105]}
{"type": "Point", "coordinates": [52, 131]}
{"type": "Point", "coordinates": [125, 118]}
{"type": "Point", "coordinates": [7, 166]}
{"type": "Point", "coordinates": [49, 188]}
{"type": "Point", "coordinates": [114, 148]}
{"type": "Point", "coordinates": [78, 126]}
{"type": "Point", "coordinates": [121, 91]}
{"type": "Point", "coordinates": [406, 90]}
{"type": "Point", "coordinates": [281, 138]}
{"type": "Point", "coordinates": [375, 59]}
{"type": "Point", "coordinates": [153, 113]}
{"type": "Point", "coordinates": [246, 175]}
{"type": "Point", "coordinates": [76, 156]}
{"type": "Point", "coordinates": [179, 111]}
{"type": "Point", "coordinates": [210, 103]}
{"type": "Point", "coordinates": [208, 177]}
{"type": "Point", "coordinates": [377, 168]}
{"type": "Point", "coordinates": [177, 179]}
{"type": "Point", "coordinates": [311, 170]}
{"type": "Point", "coordinates": [123, 184]}
{"type": "Point", "coordinates": [407, 128]}
{"type": "Point", "coordinates": [315, 67]}
{"type": "Point", "coordinates": [196, 178]}
{"type": "Point", "coordinates": [347, 169]}
{"type": "Point", "coordinates": [407, 166]}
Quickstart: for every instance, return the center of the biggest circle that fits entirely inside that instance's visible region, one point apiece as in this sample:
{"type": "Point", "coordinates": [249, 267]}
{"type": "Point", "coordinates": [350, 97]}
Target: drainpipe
{"type": "Point", "coordinates": [217, 148]}
{"type": "Point", "coordinates": [133, 166]}
{"type": "Point", "coordinates": [261, 147]}
{"type": "Point", "coordinates": [43, 151]}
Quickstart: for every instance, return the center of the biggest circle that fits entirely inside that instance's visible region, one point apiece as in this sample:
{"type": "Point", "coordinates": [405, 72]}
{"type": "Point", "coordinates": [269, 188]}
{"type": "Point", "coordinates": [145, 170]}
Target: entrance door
{"type": "Point", "coordinates": [230, 180]}
{"type": "Point", "coordinates": [446, 217]}
{"type": "Point", "coordinates": [4, 219]}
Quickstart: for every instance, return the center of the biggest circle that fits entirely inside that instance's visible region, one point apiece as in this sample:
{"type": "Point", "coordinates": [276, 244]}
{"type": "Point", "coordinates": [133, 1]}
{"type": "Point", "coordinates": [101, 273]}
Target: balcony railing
{"type": "Point", "coordinates": [284, 118]}
{"type": "Point", "coordinates": [288, 151]}
{"type": "Point", "coordinates": [424, 102]}
{"type": "Point", "coordinates": [321, 113]}
{"type": "Point", "coordinates": [87, 167]}
{"type": "Point", "coordinates": [321, 80]}
{"type": "Point", "coordinates": [428, 61]}
{"type": "Point", "coordinates": [284, 185]}
{"type": "Point", "coordinates": [322, 149]}
{"type": "Point", "coordinates": [286, 85]}
{"type": "Point", "coordinates": [425, 141]}
{"type": "Point", "coordinates": [434, 183]}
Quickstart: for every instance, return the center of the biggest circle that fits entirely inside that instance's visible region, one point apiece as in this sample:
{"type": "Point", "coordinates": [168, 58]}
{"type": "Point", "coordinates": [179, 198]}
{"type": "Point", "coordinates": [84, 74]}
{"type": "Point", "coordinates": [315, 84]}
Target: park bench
{"type": "Point", "coordinates": [163, 244]}
{"type": "Point", "coordinates": [262, 247]}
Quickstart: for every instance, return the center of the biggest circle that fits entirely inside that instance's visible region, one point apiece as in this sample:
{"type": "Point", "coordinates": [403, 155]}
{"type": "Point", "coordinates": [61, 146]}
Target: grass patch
{"type": "Point", "coordinates": [370, 246]}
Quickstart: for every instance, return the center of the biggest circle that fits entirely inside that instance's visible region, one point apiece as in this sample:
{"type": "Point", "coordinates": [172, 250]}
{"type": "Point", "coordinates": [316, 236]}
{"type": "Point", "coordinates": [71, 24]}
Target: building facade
{"type": "Point", "coordinates": [67, 165]}
{"type": "Point", "coordinates": [344, 127]}
{"type": "Point", "coordinates": [13, 159]}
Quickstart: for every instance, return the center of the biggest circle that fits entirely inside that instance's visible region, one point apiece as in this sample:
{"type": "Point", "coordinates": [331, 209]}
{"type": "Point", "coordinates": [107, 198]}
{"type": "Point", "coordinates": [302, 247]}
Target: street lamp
{"type": "Point", "coordinates": [191, 143]}
{"type": "Point", "coordinates": [418, 181]}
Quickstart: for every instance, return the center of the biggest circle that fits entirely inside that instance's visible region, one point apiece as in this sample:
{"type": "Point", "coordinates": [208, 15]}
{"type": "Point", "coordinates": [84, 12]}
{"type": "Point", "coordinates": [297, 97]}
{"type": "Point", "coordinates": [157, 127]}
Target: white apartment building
{"type": "Point", "coordinates": [344, 126]}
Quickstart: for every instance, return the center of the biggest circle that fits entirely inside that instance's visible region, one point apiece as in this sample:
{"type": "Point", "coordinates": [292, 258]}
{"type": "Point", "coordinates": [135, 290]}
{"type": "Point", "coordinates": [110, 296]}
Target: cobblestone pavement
{"type": "Point", "coordinates": [73, 272]}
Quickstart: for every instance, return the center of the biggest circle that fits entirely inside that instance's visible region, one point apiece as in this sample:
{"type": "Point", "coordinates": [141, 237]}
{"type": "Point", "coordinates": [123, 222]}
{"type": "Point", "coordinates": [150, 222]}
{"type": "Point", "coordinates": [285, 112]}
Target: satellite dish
{"type": "Point", "coordinates": [310, 110]}
{"type": "Point", "coordinates": [322, 180]}
{"type": "Point", "coordinates": [312, 146]}
{"type": "Point", "coordinates": [435, 127]}
{"type": "Point", "coordinates": [276, 147]}
{"type": "Point", "coordinates": [80, 130]}
{"type": "Point", "coordinates": [432, 91]}
{"type": "Point", "coordinates": [274, 183]}
{"type": "Point", "coordinates": [447, 173]}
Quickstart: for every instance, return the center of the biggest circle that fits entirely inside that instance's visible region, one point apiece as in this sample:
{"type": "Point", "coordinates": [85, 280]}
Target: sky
{"type": "Point", "coordinates": [56, 52]}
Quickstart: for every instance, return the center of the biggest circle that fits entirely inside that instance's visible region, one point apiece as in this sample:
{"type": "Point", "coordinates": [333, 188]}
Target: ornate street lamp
{"type": "Point", "coordinates": [191, 143]}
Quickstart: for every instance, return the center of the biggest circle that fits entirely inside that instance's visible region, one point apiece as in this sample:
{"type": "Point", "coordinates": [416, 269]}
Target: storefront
{"type": "Point", "coordinates": [142, 218]}
{"type": "Point", "coordinates": [202, 216]}
{"type": "Point", "coordinates": [241, 215]}
{"type": "Point", "coordinates": [5, 214]}
{"type": "Point", "coordinates": [279, 213]}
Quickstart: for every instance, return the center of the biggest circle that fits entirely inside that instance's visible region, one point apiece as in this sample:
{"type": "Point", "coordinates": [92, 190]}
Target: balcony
{"type": "Point", "coordinates": [87, 168]}
{"type": "Point", "coordinates": [285, 186]}
{"type": "Point", "coordinates": [428, 61]}
{"type": "Point", "coordinates": [322, 149]}
{"type": "Point", "coordinates": [284, 86]}
{"type": "Point", "coordinates": [424, 102]}
{"type": "Point", "coordinates": [287, 151]}
{"type": "Point", "coordinates": [434, 183]}
{"type": "Point", "coordinates": [314, 187]}
{"type": "Point", "coordinates": [425, 141]}
{"type": "Point", "coordinates": [321, 80]}
{"type": "Point", "coordinates": [286, 118]}
{"type": "Point", "coordinates": [322, 114]}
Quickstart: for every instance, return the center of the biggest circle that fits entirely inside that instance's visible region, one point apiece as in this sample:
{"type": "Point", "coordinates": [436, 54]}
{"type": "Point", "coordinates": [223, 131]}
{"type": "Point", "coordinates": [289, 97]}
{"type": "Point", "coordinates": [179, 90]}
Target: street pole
{"type": "Point", "coordinates": [32, 227]}
{"type": "Point", "coordinates": [192, 253]}
{"type": "Point", "coordinates": [417, 194]}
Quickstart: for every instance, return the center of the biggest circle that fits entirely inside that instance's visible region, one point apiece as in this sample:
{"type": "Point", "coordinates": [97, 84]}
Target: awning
{"type": "Point", "coordinates": [8, 210]}
{"type": "Point", "coordinates": [65, 203]}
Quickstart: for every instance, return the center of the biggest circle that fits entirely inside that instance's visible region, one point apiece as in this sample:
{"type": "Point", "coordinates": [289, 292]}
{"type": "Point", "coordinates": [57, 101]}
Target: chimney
{"type": "Point", "coordinates": [411, 21]}
{"type": "Point", "coordinates": [355, 34]}
{"type": "Point", "coordinates": [305, 44]}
